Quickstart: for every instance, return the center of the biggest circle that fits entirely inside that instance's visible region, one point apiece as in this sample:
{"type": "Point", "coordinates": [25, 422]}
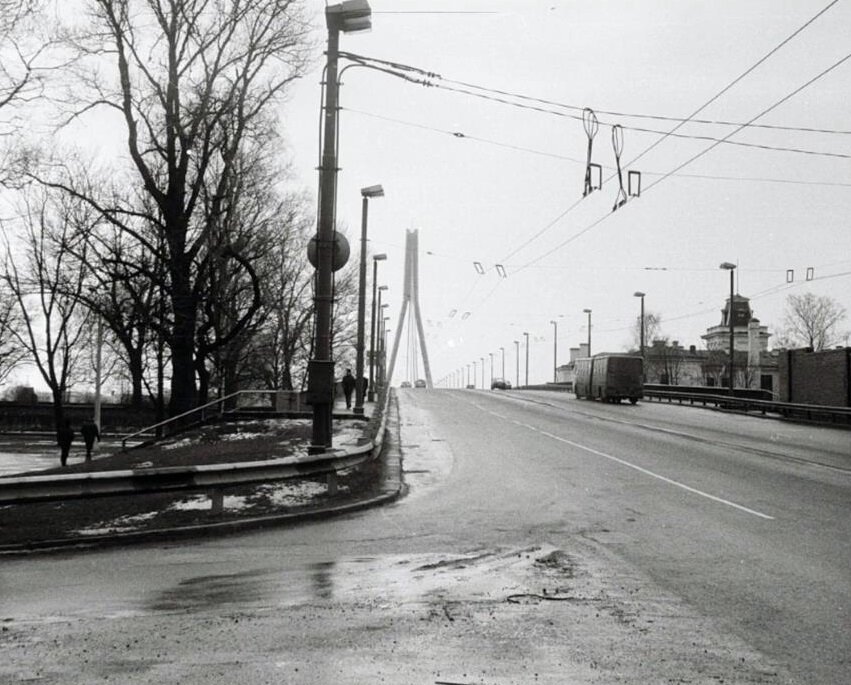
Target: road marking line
{"type": "Point", "coordinates": [640, 469]}
{"type": "Point", "coordinates": [658, 476]}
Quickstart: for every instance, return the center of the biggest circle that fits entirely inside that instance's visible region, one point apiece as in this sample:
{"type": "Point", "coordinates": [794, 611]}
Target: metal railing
{"type": "Point", "coordinates": [214, 408]}
{"type": "Point", "coordinates": [814, 413]}
{"type": "Point", "coordinates": [214, 477]}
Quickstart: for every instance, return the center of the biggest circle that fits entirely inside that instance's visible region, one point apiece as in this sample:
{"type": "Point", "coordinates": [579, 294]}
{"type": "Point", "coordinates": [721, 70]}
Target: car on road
{"type": "Point", "coordinates": [500, 384]}
{"type": "Point", "coordinates": [405, 384]}
{"type": "Point", "coordinates": [419, 383]}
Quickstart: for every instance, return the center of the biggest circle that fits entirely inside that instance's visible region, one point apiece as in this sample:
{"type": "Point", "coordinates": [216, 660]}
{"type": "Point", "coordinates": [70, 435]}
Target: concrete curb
{"type": "Point", "coordinates": [392, 488]}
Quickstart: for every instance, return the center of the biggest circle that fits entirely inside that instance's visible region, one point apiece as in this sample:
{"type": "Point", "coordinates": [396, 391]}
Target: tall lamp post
{"type": "Point", "coordinates": [731, 268]}
{"type": "Point", "coordinates": [502, 349]}
{"type": "Point", "coordinates": [491, 356]}
{"type": "Point", "coordinates": [640, 294]}
{"type": "Point", "coordinates": [517, 356]}
{"type": "Point", "coordinates": [555, 350]}
{"type": "Point", "coordinates": [527, 359]}
{"type": "Point", "coordinates": [483, 372]}
{"type": "Point", "coordinates": [366, 193]}
{"type": "Point", "coordinates": [588, 312]}
{"type": "Point", "coordinates": [372, 332]}
{"type": "Point", "coordinates": [351, 15]}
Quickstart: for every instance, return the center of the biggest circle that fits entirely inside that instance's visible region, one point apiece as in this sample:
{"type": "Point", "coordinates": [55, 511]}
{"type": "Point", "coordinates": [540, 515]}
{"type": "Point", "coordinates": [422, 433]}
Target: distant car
{"type": "Point", "coordinates": [471, 387]}
{"type": "Point", "coordinates": [405, 384]}
{"type": "Point", "coordinates": [500, 384]}
{"type": "Point", "coordinates": [419, 383]}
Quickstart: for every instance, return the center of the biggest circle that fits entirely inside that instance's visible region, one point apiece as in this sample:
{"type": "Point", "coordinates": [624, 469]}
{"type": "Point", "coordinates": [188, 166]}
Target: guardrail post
{"type": "Point", "coordinates": [217, 501]}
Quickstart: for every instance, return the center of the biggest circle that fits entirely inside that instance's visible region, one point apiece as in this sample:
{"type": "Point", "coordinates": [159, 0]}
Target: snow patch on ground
{"type": "Point", "coordinates": [183, 442]}
{"type": "Point", "coordinates": [123, 524]}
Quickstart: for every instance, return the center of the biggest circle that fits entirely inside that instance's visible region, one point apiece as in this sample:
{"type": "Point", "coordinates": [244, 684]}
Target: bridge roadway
{"type": "Point", "coordinates": [543, 540]}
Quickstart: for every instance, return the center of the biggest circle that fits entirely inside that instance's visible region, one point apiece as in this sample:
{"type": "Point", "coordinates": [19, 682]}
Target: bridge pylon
{"type": "Point", "coordinates": [411, 307]}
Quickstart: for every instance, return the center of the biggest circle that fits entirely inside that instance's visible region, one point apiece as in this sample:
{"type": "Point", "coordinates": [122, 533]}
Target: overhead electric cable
{"type": "Point", "coordinates": [544, 153]}
{"type": "Point", "coordinates": [694, 158]}
{"type": "Point", "coordinates": [781, 101]}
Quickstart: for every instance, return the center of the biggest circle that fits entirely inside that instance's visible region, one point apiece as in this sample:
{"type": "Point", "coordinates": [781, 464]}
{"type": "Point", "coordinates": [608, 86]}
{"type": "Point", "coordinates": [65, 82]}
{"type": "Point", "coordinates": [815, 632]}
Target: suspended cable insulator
{"type": "Point", "coordinates": [479, 268]}
{"type": "Point", "coordinates": [811, 272]}
{"type": "Point", "coordinates": [617, 144]}
{"type": "Point", "coordinates": [633, 183]}
{"type": "Point", "coordinates": [465, 315]}
{"type": "Point", "coordinates": [500, 271]}
{"type": "Point", "coordinates": [593, 172]}
{"type": "Point", "coordinates": [790, 275]}
{"type": "Point", "coordinates": [452, 312]}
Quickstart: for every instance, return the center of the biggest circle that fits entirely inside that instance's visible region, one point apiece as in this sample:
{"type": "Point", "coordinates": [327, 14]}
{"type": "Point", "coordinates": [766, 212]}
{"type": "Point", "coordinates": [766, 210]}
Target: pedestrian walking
{"type": "Point", "coordinates": [64, 437]}
{"type": "Point", "coordinates": [90, 433]}
{"type": "Point", "coordinates": [348, 387]}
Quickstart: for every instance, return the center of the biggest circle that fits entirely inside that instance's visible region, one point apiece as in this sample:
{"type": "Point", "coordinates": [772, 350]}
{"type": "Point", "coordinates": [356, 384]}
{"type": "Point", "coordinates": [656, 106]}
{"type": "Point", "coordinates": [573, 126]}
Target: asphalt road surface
{"type": "Point", "coordinates": [543, 540]}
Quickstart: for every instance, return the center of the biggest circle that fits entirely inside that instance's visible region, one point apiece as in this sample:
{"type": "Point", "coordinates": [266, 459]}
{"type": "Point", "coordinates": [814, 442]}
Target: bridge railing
{"type": "Point", "coordinates": [815, 413]}
{"type": "Point", "coordinates": [198, 414]}
{"type": "Point", "coordinates": [213, 477]}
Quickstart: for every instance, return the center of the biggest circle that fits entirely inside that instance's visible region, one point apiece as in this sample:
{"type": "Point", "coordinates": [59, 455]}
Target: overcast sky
{"type": "Point", "coordinates": [489, 182]}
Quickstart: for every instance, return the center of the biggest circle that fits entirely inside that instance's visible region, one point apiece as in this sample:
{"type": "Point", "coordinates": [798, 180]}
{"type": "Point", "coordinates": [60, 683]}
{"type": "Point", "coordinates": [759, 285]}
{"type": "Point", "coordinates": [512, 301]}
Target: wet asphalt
{"type": "Point", "coordinates": [539, 542]}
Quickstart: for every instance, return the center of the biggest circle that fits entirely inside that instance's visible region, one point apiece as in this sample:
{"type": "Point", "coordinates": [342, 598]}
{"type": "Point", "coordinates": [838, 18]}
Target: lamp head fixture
{"type": "Point", "coordinates": [372, 191]}
{"type": "Point", "coordinates": [349, 16]}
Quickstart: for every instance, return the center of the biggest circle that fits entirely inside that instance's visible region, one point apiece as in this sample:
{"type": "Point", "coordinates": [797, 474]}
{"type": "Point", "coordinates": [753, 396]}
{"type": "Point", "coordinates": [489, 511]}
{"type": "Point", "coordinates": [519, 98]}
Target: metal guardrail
{"type": "Point", "coordinates": [31, 489]}
{"type": "Point", "coordinates": [807, 412]}
{"type": "Point", "coordinates": [215, 407]}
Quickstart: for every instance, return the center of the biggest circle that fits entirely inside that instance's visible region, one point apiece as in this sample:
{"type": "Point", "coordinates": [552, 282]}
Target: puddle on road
{"type": "Point", "coordinates": [480, 575]}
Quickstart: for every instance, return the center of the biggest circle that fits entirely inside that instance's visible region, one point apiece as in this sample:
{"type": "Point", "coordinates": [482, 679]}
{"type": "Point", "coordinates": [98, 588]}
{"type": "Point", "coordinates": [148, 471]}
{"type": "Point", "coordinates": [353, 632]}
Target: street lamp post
{"type": "Point", "coordinates": [483, 372]}
{"type": "Point", "coordinates": [588, 312]}
{"type": "Point", "coordinates": [372, 333]}
{"type": "Point", "coordinates": [731, 268]}
{"type": "Point", "coordinates": [517, 356]}
{"type": "Point", "coordinates": [366, 193]}
{"type": "Point", "coordinates": [491, 356]}
{"type": "Point", "coordinates": [352, 15]}
{"type": "Point", "coordinates": [527, 359]}
{"type": "Point", "coordinates": [382, 353]}
{"type": "Point", "coordinates": [502, 349]}
{"type": "Point", "coordinates": [640, 294]}
{"type": "Point", "coordinates": [555, 350]}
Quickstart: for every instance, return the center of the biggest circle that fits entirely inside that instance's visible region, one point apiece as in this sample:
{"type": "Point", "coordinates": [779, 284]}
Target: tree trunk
{"type": "Point", "coordinates": [182, 343]}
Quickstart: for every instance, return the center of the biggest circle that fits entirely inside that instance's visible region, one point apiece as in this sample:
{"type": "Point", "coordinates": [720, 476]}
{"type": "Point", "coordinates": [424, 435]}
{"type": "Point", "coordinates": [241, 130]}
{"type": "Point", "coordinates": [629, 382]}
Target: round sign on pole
{"type": "Point", "coordinates": [341, 251]}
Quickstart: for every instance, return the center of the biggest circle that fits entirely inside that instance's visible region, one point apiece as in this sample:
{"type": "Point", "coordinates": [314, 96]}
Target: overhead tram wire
{"type": "Point", "coordinates": [653, 145]}
{"type": "Point", "coordinates": [781, 101]}
{"type": "Point", "coordinates": [692, 159]}
{"type": "Point", "coordinates": [638, 129]}
{"type": "Point", "coordinates": [460, 135]}
{"type": "Point", "coordinates": [657, 142]}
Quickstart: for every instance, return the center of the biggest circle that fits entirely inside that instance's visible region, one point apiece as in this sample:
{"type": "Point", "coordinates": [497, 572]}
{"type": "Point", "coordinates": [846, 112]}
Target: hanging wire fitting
{"type": "Point", "coordinates": [617, 144]}
{"type": "Point", "coordinates": [593, 172]}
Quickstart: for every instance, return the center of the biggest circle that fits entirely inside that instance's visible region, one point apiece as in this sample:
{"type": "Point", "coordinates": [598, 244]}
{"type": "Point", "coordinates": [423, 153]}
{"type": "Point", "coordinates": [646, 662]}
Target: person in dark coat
{"type": "Point", "coordinates": [348, 387]}
{"type": "Point", "coordinates": [90, 433]}
{"type": "Point", "coordinates": [64, 437]}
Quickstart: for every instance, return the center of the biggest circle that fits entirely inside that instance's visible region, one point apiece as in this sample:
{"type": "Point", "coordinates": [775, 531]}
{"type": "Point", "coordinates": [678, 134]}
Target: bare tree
{"type": "Point", "coordinates": [811, 320]}
{"type": "Point", "coordinates": [652, 329]}
{"type": "Point", "coordinates": [11, 353]}
{"type": "Point", "coordinates": [46, 282]}
{"type": "Point", "coordinates": [280, 349]}
{"type": "Point", "coordinates": [195, 80]}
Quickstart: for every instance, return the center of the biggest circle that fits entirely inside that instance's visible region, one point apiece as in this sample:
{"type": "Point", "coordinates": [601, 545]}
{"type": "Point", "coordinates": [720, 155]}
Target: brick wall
{"type": "Point", "coordinates": [816, 377]}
